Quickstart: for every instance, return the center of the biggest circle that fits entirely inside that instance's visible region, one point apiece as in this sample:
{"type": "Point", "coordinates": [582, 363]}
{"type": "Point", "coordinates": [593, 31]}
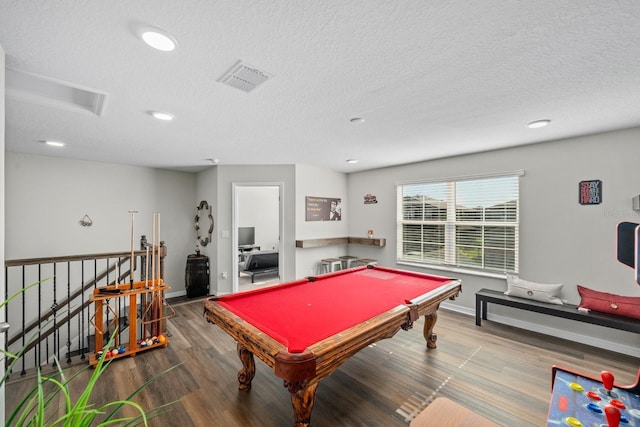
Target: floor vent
{"type": "Point", "coordinates": [244, 77]}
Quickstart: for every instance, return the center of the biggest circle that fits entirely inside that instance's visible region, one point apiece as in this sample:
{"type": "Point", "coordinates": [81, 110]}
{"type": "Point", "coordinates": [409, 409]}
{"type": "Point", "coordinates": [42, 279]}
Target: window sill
{"type": "Point", "coordinates": [457, 270]}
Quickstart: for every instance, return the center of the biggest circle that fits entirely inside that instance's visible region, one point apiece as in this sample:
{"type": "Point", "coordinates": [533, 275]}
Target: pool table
{"type": "Point", "coordinates": [304, 330]}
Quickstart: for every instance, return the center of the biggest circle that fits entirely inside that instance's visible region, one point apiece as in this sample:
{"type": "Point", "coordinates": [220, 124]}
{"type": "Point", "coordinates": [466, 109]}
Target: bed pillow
{"type": "Point", "coordinates": [521, 288]}
{"type": "Point", "coordinates": [609, 303]}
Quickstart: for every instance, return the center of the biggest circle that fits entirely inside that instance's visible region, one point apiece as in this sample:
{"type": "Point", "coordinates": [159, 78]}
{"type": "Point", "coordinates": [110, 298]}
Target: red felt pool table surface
{"type": "Point", "coordinates": [301, 313]}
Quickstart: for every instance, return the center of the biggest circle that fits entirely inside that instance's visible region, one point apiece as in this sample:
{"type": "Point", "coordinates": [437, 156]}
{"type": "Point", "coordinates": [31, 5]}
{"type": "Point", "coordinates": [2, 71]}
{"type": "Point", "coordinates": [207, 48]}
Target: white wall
{"type": "Point", "coordinates": [314, 181]}
{"type": "Point", "coordinates": [299, 181]}
{"type": "Point", "coordinates": [561, 241]}
{"type": "Point", "coordinates": [46, 197]}
{"type": "Point", "coordinates": [206, 189]}
{"type": "Point", "coordinates": [216, 184]}
{"type": "Point", "coordinates": [2, 204]}
{"type": "Point", "coordinates": [259, 207]}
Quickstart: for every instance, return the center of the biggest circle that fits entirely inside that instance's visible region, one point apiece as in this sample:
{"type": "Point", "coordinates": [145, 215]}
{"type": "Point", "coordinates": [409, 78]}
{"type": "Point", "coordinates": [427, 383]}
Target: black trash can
{"type": "Point", "coordinates": [196, 276]}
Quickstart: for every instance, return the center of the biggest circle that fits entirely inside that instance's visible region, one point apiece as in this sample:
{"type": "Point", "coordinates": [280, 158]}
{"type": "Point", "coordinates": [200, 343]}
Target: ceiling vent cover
{"type": "Point", "coordinates": [244, 77]}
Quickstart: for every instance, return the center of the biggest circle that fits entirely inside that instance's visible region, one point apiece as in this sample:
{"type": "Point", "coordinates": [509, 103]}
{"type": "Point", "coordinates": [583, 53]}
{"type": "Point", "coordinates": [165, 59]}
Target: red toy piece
{"type": "Point", "coordinates": [607, 381]}
{"type": "Point", "coordinates": [613, 416]}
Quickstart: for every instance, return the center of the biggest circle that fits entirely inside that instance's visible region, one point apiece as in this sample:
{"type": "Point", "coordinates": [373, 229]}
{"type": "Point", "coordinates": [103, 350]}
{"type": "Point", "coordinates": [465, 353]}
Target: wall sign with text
{"type": "Point", "coordinates": [323, 209]}
{"type": "Point", "coordinates": [370, 199]}
{"type": "Point", "coordinates": [590, 192]}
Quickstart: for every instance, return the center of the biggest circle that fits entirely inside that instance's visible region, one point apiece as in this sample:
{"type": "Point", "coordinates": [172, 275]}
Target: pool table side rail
{"type": "Point", "coordinates": [332, 352]}
{"type": "Point", "coordinates": [325, 356]}
{"type": "Point", "coordinates": [448, 291]}
{"type": "Point", "coordinates": [337, 349]}
{"type": "Point", "coordinates": [243, 332]}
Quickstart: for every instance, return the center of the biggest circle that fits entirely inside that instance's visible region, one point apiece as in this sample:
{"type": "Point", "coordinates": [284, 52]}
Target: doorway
{"type": "Point", "coordinates": [257, 224]}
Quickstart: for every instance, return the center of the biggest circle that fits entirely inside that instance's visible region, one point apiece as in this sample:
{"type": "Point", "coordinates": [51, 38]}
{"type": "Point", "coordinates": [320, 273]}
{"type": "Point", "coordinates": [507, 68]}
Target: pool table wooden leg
{"type": "Point", "coordinates": [302, 398]}
{"type": "Point", "coordinates": [248, 371]}
{"type": "Point", "coordinates": [429, 323]}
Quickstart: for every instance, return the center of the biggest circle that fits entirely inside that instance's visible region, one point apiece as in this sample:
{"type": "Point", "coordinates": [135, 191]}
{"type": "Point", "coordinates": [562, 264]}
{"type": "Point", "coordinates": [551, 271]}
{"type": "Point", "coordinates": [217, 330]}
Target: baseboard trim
{"type": "Point", "coordinates": [176, 294]}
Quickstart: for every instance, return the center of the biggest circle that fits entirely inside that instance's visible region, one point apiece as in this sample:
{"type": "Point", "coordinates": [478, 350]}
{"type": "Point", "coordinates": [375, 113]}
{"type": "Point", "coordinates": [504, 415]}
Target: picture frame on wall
{"type": "Point", "coordinates": [323, 208]}
{"type": "Point", "coordinates": [590, 192]}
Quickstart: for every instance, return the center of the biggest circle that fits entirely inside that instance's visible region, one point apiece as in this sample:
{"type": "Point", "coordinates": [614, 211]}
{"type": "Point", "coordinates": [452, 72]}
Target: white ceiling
{"type": "Point", "coordinates": [431, 78]}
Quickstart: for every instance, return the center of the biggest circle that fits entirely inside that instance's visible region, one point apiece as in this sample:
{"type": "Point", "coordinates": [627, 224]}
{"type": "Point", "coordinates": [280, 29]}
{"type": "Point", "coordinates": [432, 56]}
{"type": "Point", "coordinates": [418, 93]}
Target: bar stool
{"type": "Point", "coordinates": [348, 261]}
{"type": "Point", "coordinates": [328, 265]}
{"type": "Point", "coordinates": [367, 261]}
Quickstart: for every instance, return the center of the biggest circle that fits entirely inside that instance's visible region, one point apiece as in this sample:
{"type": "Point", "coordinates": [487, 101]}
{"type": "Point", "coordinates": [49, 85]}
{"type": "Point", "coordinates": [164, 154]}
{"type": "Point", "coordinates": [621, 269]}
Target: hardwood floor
{"type": "Point", "coordinates": [499, 372]}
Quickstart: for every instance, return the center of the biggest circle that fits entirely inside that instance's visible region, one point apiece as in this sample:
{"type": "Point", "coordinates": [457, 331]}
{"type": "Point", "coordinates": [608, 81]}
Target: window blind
{"type": "Point", "coordinates": [467, 222]}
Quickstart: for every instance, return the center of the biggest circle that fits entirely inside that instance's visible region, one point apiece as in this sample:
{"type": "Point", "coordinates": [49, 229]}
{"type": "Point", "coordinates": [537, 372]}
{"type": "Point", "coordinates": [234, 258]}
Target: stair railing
{"type": "Point", "coordinates": [55, 311]}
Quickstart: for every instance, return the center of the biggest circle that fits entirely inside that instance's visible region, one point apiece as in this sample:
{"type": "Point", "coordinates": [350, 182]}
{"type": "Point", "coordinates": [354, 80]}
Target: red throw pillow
{"type": "Point", "coordinates": [609, 303]}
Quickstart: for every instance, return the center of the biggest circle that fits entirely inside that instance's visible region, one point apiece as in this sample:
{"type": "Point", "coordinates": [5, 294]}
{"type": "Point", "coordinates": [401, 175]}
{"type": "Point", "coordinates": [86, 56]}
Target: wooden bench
{"type": "Point", "coordinates": [566, 311]}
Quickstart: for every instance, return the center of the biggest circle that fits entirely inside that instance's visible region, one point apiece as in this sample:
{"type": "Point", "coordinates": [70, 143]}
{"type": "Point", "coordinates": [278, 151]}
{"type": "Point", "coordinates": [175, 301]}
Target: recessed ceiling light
{"type": "Point", "coordinates": [158, 39]}
{"type": "Point", "coordinates": [352, 161]}
{"type": "Point", "coordinates": [54, 143]}
{"type": "Point", "coordinates": [357, 120]}
{"type": "Point", "coordinates": [539, 123]}
{"type": "Point", "coordinates": [162, 116]}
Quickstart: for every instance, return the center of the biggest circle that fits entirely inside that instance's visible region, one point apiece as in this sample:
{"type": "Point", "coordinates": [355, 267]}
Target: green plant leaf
{"type": "Point", "coordinates": [36, 408]}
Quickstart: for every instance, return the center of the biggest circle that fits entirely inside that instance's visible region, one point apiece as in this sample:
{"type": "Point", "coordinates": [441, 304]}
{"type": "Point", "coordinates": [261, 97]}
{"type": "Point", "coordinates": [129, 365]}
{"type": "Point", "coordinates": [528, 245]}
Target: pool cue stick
{"type": "Point", "coordinates": [132, 259]}
{"type": "Point", "coordinates": [146, 268]}
{"type": "Point", "coordinates": [152, 313]}
{"type": "Point", "coordinates": [150, 300]}
{"type": "Point", "coordinates": [145, 296]}
{"type": "Point", "coordinates": [153, 248]}
{"type": "Point", "coordinates": [158, 294]}
{"type": "Point", "coordinates": [158, 246]}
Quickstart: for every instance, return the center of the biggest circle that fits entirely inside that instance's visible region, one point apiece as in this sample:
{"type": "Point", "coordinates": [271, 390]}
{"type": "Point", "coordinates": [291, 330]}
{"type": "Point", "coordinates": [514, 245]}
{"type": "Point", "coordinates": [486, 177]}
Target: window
{"type": "Point", "coordinates": [467, 222]}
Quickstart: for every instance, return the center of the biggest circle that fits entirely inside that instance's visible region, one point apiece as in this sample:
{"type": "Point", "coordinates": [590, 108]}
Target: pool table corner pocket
{"type": "Point", "coordinates": [295, 367]}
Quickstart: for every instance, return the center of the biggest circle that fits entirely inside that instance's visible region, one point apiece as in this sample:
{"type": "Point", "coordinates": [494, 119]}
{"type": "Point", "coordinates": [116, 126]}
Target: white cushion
{"type": "Point", "coordinates": [517, 287]}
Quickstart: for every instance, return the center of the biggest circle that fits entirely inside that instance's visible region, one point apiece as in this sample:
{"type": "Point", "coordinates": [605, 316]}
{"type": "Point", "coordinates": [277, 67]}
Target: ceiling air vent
{"type": "Point", "coordinates": [244, 77]}
{"type": "Point", "coordinates": [42, 90]}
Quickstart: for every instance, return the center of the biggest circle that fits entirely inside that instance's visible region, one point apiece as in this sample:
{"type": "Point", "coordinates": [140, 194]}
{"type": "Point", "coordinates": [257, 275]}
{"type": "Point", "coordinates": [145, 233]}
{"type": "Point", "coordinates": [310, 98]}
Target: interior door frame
{"type": "Point", "coordinates": [234, 225]}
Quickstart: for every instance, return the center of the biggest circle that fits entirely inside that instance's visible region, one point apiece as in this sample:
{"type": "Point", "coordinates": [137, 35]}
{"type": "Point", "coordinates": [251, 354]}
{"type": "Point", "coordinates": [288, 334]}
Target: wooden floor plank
{"type": "Point", "coordinates": [502, 373]}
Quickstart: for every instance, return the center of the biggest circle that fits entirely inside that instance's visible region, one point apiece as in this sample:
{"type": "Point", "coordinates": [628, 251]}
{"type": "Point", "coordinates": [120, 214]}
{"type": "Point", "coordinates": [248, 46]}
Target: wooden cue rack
{"type": "Point", "coordinates": [149, 292]}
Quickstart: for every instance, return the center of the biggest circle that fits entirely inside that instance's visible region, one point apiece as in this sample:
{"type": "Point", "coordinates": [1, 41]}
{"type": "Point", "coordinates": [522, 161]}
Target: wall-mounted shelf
{"type": "Point", "coordinates": [366, 241]}
{"type": "Point", "coordinates": [316, 243]}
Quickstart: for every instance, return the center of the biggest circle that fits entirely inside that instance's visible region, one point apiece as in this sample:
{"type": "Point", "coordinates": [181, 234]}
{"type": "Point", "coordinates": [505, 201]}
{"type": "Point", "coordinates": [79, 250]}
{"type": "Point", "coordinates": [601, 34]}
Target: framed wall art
{"type": "Point", "coordinates": [590, 192]}
{"type": "Point", "coordinates": [323, 209]}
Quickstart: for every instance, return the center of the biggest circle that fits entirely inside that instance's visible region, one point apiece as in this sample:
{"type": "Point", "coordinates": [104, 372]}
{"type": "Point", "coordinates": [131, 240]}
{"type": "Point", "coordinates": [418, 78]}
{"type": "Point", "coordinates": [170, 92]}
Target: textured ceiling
{"type": "Point", "coordinates": [430, 78]}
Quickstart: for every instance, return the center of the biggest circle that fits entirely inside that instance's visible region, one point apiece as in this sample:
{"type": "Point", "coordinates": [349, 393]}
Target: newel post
{"type": "Point", "coordinates": [163, 254]}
